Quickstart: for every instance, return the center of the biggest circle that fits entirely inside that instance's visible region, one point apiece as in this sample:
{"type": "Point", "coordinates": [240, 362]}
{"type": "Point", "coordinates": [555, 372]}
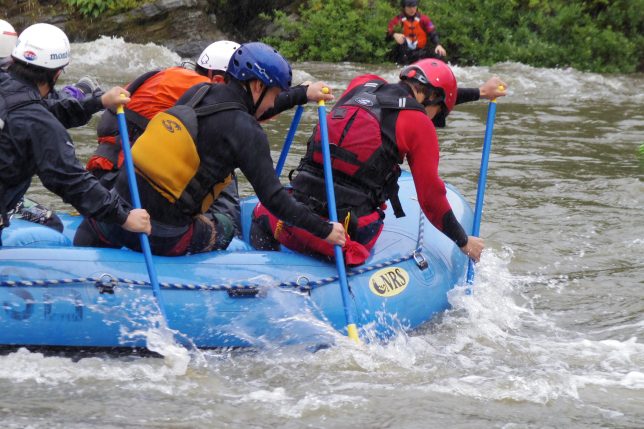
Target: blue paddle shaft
{"type": "Point", "coordinates": [333, 215]}
{"type": "Point", "coordinates": [289, 140]}
{"type": "Point", "coordinates": [136, 202]}
{"type": "Point", "coordinates": [480, 192]}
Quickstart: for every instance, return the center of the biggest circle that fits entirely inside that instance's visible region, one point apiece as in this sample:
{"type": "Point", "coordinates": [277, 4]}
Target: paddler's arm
{"type": "Point", "coordinates": [493, 88]}
{"type": "Point", "coordinates": [296, 96]}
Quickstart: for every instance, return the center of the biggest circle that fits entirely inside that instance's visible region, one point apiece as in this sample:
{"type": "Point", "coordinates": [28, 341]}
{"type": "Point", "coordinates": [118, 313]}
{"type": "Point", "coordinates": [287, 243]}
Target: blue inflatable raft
{"type": "Point", "coordinates": [55, 295]}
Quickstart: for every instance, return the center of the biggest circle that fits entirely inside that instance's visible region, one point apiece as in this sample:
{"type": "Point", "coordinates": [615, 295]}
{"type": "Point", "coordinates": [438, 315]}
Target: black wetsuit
{"type": "Point", "coordinates": [34, 141]}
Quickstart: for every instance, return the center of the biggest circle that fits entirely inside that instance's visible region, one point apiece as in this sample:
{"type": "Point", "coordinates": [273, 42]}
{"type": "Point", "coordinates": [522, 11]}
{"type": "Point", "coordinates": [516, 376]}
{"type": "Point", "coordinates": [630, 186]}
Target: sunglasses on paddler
{"type": "Point", "coordinates": [433, 97]}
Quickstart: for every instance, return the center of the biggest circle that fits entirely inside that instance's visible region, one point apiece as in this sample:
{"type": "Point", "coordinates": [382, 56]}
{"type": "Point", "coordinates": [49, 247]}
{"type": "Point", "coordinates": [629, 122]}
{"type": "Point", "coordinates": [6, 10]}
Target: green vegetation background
{"type": "Point", "coordinates": [594, 35]}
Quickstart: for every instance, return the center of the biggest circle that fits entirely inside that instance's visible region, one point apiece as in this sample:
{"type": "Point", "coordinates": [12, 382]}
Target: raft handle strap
{"type": "Point", "coordinates": [421, 261]}
{"type": "Point", "coordinates": [244, 292]}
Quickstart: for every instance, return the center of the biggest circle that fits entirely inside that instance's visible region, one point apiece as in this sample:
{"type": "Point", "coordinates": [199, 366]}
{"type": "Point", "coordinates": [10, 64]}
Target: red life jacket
{"type": "Point", "coordinates": [364, 154]}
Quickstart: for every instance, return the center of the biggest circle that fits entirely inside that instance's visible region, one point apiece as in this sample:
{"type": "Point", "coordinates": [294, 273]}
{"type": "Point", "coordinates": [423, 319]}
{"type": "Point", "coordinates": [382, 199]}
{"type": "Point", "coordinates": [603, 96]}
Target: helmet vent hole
{"type": "Point", "coordinates": [249, 65]}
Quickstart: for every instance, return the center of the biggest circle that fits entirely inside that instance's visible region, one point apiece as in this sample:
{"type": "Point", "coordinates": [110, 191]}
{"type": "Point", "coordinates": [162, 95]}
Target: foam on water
{"type": "Point", "coordinates": [108, 57]}
{"type": "Point", "coordinates": [510, 351]}
{"type": "Point", "coordinates": [23, 366]}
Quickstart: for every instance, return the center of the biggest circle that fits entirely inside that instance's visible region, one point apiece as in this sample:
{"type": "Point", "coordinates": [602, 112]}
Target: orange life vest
{"type": "Point", "coordinates": [151, 93]}
{"type": "Point", "coordinates": [413, 31]}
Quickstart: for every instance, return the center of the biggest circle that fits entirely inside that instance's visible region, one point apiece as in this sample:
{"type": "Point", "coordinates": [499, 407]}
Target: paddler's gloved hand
{"type": "Point", "coordinates": [89, 86]}
{"type": "Point", "coordinates": [85, 87]}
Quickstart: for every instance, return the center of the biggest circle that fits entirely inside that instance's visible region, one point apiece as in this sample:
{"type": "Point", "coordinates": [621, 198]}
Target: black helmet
{"type": "Point", "coordinates": [410, 3]}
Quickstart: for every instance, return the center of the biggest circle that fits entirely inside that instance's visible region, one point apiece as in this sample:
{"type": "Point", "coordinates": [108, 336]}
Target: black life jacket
{"type": "Point", "coordinates": [166, 156]}
{"type": "Point", "coordinates": [364, 154]}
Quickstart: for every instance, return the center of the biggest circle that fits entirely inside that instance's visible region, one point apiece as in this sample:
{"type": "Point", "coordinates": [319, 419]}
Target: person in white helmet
{"type": "Point", "coordinates": [8, 39]}
{"type": "Point", "coordinates": [33, 138]}
{"type": "Point", "coordinates": [213, 61]}
{"type": "Point", "coordinates": [154, 92]}
{"type": "Point", "coordinates": [85, 87]}
{"type": "Point", "coordinates": [151, 93]}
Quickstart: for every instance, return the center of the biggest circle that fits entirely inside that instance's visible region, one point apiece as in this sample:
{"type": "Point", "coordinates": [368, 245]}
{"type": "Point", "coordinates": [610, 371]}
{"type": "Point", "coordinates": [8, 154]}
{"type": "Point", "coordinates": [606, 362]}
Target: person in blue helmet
{"type": "Point", "coordinates": [181, 169]}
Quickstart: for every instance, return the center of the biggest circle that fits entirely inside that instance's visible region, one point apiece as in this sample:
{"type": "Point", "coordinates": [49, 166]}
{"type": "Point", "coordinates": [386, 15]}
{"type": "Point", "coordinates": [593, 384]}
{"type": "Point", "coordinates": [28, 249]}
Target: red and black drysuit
{"type": "Point", "coordinates": [417, 29]}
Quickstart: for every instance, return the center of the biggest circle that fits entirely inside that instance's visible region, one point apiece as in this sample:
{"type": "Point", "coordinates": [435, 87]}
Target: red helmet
{"type": "Point", "coordinates": [436, 75]}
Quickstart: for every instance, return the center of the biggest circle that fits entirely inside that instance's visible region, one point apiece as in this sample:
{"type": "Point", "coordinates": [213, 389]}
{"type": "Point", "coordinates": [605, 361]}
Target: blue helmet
{"type": "Point", "coordinates": [257, 60]}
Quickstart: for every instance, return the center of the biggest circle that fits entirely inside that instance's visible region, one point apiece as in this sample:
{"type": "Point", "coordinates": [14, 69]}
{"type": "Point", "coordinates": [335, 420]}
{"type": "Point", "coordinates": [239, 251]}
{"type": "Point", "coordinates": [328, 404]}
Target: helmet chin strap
{"type": "Point", "coordinates": [260, 99]}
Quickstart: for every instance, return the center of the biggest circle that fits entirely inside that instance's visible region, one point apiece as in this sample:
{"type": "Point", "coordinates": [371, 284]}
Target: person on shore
{"type": "Point", "coordinates": [415, 30]}
{"type": "Point", "coordinates": [366, 157]}
{"type": "Point", "coordinates": [34, 140]}
{"type": "Point", "coordinates": [182, 169]}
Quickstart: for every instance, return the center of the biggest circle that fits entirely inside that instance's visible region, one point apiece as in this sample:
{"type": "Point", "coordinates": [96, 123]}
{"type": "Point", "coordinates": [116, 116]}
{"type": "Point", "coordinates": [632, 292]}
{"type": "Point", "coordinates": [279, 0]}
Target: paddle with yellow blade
{"type": "Point", "coordinates": [352, 330]}
{"type": "Point", "coordinates": [136, 202]}
{"type": "Point", "coordinates": [480, 191]}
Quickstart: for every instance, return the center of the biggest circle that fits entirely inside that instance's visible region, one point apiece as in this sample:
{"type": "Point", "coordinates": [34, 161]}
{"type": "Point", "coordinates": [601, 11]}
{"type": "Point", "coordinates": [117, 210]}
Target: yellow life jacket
{"type": "Point", "coordinates": [166, 156]}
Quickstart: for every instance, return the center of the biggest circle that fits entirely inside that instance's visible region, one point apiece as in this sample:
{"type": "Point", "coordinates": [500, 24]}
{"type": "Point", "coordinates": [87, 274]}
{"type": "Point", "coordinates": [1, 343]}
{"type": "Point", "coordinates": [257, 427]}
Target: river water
{"type": "Point", "coordinates": [550, 338]}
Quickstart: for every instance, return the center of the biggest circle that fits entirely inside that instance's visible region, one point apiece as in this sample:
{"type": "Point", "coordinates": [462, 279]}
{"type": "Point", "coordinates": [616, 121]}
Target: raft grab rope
{"type": "Point", "coordinates": [107, 282]}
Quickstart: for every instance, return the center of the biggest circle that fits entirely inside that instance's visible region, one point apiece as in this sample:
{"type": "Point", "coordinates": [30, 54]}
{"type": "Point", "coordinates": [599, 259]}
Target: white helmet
{"type": "Point", "coordinates": [43, 45]}
{"type": "Point", "coordinates": [217, 55]}
{"type": "Point", "coordinates": [8, 37]}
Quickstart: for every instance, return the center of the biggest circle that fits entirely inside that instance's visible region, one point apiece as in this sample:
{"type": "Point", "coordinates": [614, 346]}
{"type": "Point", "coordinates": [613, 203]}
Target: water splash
{"type": "Point", "coordinates": [111, 57]}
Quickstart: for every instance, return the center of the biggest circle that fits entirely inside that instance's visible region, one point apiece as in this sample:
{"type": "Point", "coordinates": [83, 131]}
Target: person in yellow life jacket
{"type": "Point", "coordinates": [187, 154]}
{"type": "Point", "coordinates": [415, 30]}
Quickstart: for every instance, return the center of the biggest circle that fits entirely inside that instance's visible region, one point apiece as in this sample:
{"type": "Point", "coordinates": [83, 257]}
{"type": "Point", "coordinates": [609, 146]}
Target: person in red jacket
{"type": "Point", "coordinates": [415, 29]}
{"type": "Point", "coordinates": [366, 157]}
